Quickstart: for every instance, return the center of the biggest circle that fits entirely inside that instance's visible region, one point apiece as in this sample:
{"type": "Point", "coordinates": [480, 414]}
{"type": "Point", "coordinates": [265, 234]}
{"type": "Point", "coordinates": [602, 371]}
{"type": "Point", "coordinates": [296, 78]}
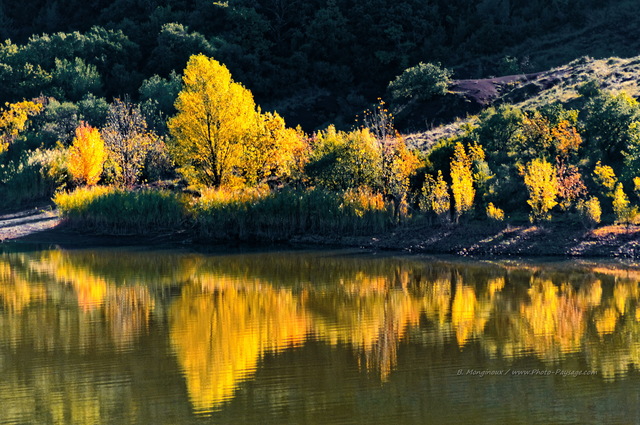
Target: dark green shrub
{"type": "Point", "coordinates": [421, 82]}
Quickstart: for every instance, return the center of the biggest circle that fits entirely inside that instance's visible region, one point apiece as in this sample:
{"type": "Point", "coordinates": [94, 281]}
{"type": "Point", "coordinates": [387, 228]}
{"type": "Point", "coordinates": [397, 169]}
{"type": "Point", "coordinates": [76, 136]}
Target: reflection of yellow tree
{"type": "Point", "coordinates": [463, 312]}
{"type": "Point", "coordinates": [89, 287]}
{"type": "Point", "coordinates": [624, 291]}
{"type": "Point", "coordinates": [553, 321]}
{"type": "Point", "coordinates": [607, 316]}
{"type": "Point", "coordinates": [127, 308]}
{"type": "Point", "coordinates": [219, 332]}
{"type": "Point", "coordinates": [606, 320]}
{"type": "Point", "coordinates": [232, 312]}
{"type": "Point", "coordinates": [16, 293]}
{"type": "Point", "coordinates": [371, 316]}
{"type": "Point", "coordinates": [437, 299]}
{"type": "Point", "coordinates": [469, 315]}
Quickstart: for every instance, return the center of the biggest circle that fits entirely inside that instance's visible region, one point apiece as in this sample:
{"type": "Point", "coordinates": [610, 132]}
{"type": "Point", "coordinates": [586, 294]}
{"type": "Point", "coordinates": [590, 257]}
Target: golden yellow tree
{"type": "Point", "coordinates": [542, 184]}
{"type": "Point", "coordinates": [461, 181]}
{"type": "Point", "coordinates": [216, 117]}
{"type": "Point", "coordinates": [435, 196]}
{"type": "Point", "coordinates": [566, 139]}
{"type": "Point", "coordinates": [625, 213]}
{"type": "Point", "coordinates": [605, 177]}
{"type": "Point", "coordinates": [14, 119]}
{"type": "Point", "coordinates": [86, 155]}
{"type": "Point", "coordinates": [273, 150]}
{"type": "Point", "coordinates": [590, 212]}
{"type": "Point", "coordinates": [494, 213]}
{"type": "Point", "coordinates": [398, 164]}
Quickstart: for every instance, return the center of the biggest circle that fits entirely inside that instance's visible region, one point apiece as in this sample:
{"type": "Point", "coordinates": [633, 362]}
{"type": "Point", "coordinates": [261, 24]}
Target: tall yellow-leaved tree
{"type": "Point", "coordinates": [272, 151]}
{"type": "Point", "coordinates": [461, 181]}
{"type": "Point", "coordinates": [542, 184]}
{"type": "Point", "coordinates": [86, 155]}
{"type": "Point", "coordinates": [216, 116]}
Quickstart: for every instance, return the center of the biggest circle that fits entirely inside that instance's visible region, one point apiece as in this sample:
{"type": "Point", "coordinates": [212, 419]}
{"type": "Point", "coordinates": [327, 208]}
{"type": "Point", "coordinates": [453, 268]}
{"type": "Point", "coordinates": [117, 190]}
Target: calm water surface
{"type": "Point", "coordinates": [127, 336]}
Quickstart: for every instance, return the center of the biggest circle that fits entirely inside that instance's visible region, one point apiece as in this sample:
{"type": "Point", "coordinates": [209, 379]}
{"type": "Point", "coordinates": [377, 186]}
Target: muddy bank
{"type": "Point", "coordinates": [42, 226]}
{"type": "Point", "coordinates": [484, 240]}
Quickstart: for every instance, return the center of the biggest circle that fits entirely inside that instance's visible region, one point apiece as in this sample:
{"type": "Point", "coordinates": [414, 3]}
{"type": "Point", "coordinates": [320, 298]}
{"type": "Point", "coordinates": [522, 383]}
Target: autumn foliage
{"type": "Point", "coordinates": [13, 120]}
{"type": "Point", "coordinates": [542, 184]}
{"type": "Point", "coordinates": [86, 155]}
{"type": "Point", "coordinates": [461, 181]}
{"type": "Point", "coordinates": [216, 118]}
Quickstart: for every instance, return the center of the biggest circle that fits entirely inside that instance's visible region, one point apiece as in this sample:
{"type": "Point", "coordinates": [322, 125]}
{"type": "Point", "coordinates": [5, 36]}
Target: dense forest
{"type": "Point", "coordinates": [316, 62]}
{"type": "Point", "coordinates": [237, 118]}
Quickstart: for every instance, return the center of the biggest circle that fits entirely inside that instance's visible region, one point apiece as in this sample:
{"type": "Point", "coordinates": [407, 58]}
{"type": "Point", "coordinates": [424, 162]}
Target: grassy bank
{"type": "Point", "coordinates": [250, 214]}
{"type": "Point", "coordinates": [113, 211]}
{"type": "Point", "coordinates": [313, 216]}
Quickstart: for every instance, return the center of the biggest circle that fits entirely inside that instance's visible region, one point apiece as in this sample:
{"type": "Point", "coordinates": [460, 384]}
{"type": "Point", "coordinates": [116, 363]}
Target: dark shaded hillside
{"type": "Point", "coordinates": [315, 61]}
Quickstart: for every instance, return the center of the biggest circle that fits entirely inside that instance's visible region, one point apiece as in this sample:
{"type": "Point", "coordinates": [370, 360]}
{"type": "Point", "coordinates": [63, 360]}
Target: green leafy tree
{"type": "Point", "coordinates": [421, 82]}
{"type": "Point", "coordinates": [499, 130]}
{"type": "Point", "coordinates": [57, 122]}
{"type": "Point", "coordinates": [175, 44]}
{"type": "Point", "coordinates": [342, 160]}
{"type": "Point", "coordinates": [608, 125]}
{"type": "Point", "coordinates": [93, 110]}
{"type": "Point", "coordinates": [158, 96]}
{"type": "Point", "coordinates": [632, 153]}
{"type": "Point", "coordinates": [76, 79]}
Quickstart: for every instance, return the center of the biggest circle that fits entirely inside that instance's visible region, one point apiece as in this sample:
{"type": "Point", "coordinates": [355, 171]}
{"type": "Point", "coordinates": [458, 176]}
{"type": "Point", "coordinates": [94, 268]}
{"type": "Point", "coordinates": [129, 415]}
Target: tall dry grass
{"type": "Point", "coordinates": [264, 215]}
{"type": "Point", "coordinates": [115, 211]}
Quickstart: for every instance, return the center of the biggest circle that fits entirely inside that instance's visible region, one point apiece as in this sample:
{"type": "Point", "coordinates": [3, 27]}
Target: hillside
{"type": "Point", "coordinates": [315, 62]}
{"type": "Point", "coordinates": [467, 98]}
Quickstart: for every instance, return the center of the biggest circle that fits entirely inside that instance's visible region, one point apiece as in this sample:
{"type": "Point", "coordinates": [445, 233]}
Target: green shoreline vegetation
{"type": "Point", "coordinates": [104, 120]}
{"type": "Point", "coordinates": [226, 170]}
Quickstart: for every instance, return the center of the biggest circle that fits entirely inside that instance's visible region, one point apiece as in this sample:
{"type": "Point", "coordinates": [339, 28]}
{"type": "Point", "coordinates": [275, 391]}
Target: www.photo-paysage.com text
{"type": "Point", "coordinates": [526, 372]}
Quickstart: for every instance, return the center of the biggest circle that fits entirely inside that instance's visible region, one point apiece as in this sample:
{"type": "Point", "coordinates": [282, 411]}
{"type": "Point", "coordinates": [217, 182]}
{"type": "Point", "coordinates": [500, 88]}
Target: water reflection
{"type": "Point", "coordinates": [209, 324]}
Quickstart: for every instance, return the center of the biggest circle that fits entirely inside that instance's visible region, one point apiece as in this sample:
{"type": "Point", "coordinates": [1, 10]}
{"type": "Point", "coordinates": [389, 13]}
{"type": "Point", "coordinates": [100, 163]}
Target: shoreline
{"type": "Point", "coordinates": [42, 226]}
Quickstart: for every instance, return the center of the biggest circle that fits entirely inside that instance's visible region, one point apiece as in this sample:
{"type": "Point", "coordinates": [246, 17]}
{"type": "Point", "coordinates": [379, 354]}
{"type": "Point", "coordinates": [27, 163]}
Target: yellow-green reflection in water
{"type": "Point", "coordinates": [112, 336]}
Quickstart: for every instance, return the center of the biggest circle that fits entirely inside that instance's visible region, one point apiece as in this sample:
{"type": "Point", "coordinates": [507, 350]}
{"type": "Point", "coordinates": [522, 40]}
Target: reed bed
{"type": "Point", "coordinates": [264, 215]}
{"type": "Point", "coordinates": [249, 214]}
{"type": "Point", "coordinates": [115, 211]}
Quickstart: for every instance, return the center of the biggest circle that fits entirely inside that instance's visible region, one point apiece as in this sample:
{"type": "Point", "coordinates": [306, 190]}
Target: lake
{"type": "Point", "coordinates": [103, 336]}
